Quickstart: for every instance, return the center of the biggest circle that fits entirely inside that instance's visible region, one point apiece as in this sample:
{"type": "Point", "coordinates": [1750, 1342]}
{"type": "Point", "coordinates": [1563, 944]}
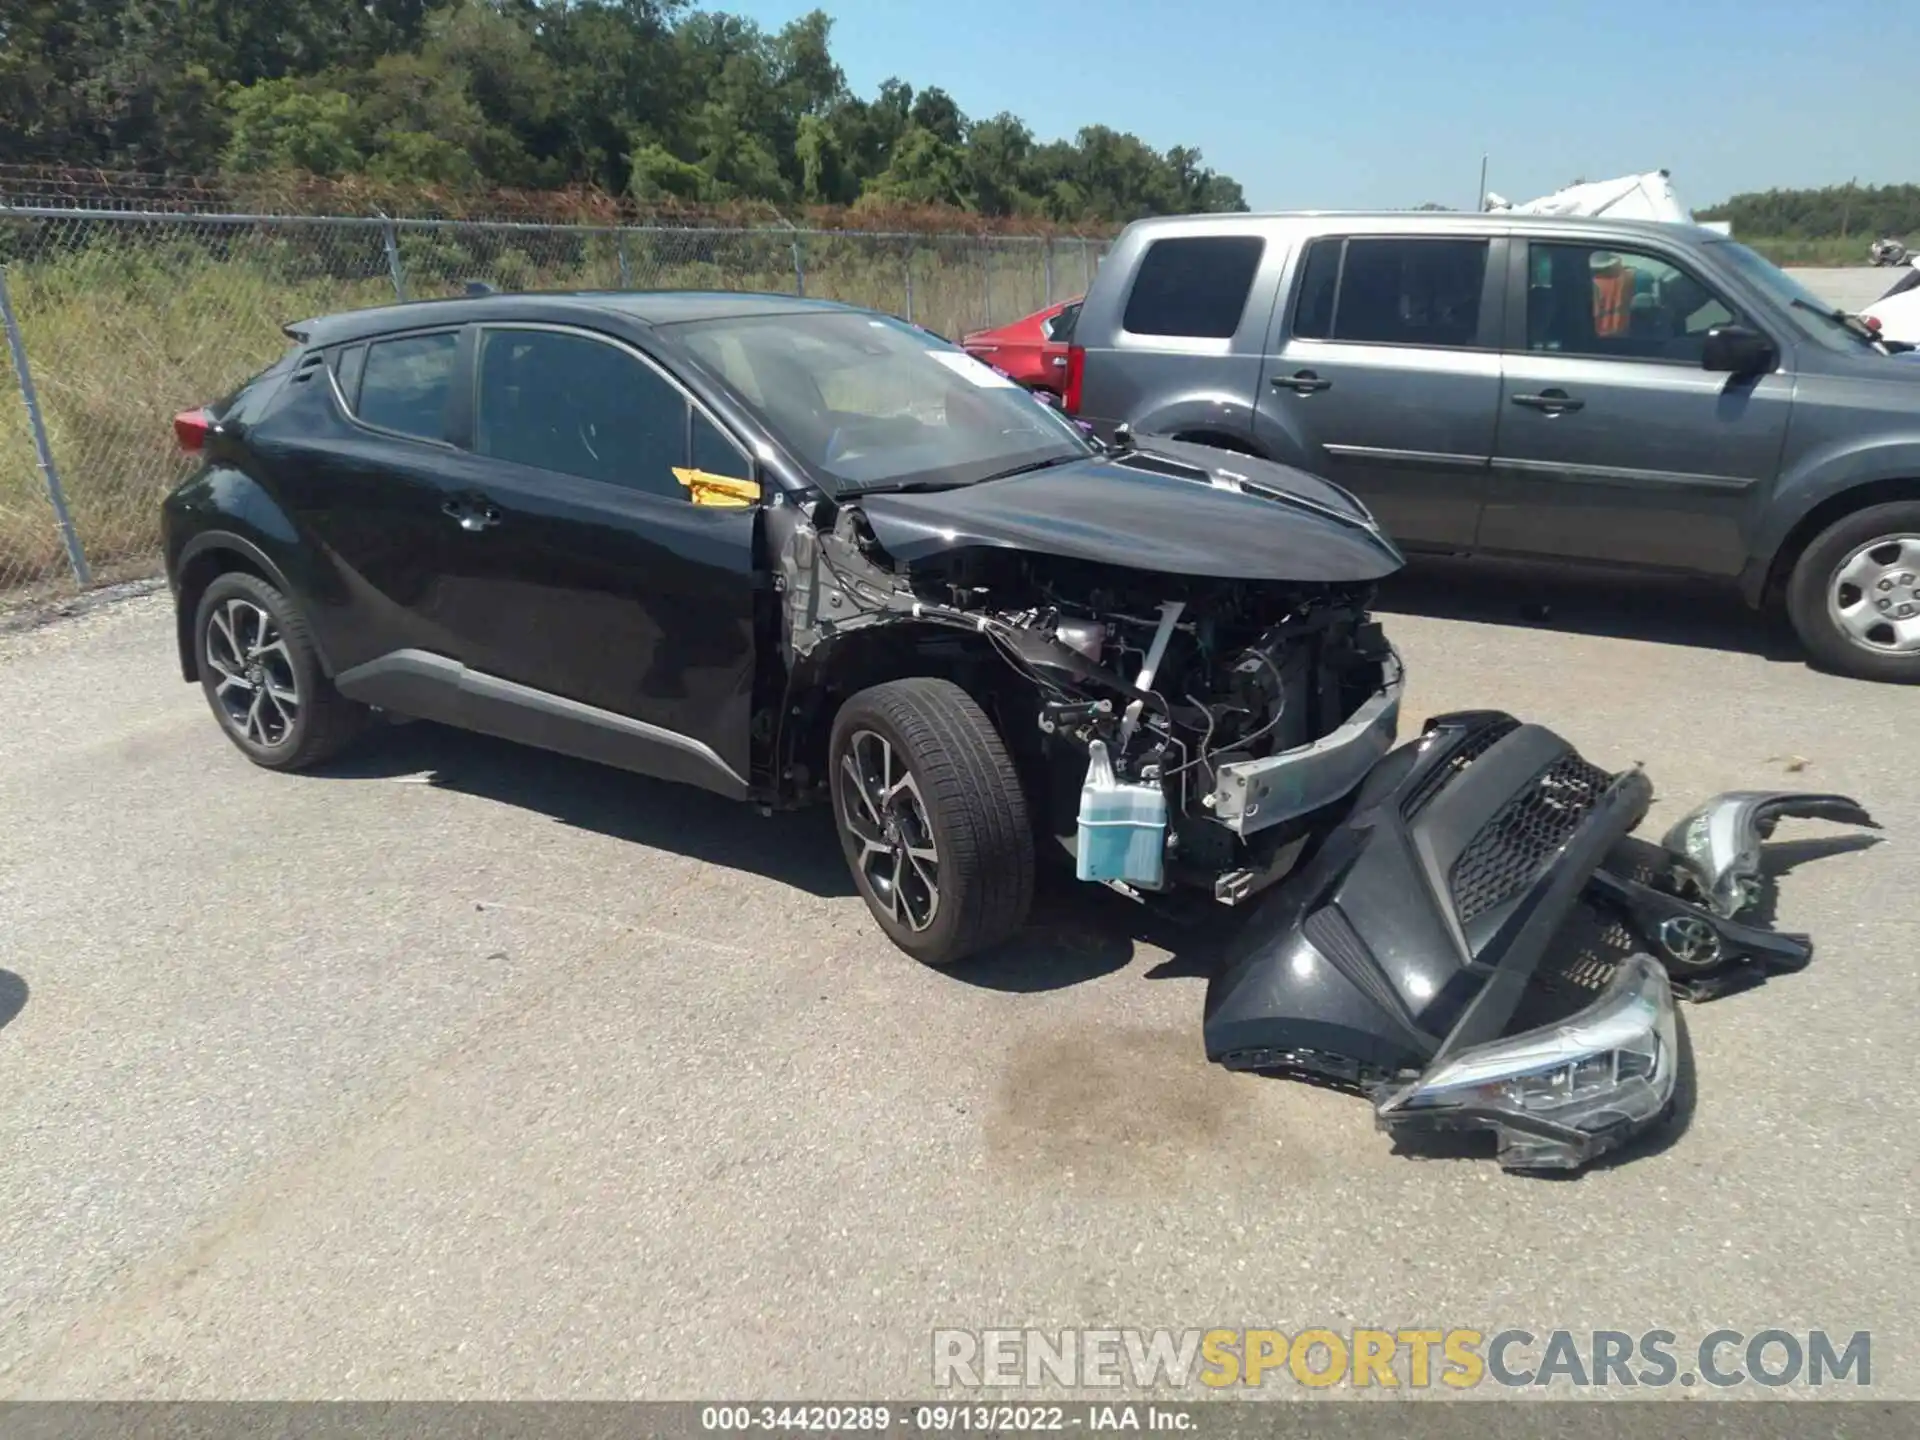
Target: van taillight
{"type": "Point", "coordinates": [1076, 371]}
{"type": "Point", "coordinates": [190, 428]}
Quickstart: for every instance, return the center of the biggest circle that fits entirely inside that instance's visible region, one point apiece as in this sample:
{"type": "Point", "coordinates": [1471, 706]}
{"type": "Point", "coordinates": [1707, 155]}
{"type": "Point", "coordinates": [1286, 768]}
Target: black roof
{"type": "Point", "coordinates": [647, 307]}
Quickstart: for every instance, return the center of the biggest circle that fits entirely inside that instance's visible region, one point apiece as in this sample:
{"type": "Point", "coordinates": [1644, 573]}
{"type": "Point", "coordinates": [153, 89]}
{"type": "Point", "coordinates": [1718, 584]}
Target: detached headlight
{"type": "Point", "coordinates": [1558, 1096]}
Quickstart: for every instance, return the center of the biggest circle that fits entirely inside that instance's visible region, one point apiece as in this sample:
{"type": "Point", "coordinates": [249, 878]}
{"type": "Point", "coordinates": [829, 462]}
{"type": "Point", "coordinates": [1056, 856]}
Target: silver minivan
{"type": "Point", "coordinates": [1602, 392]}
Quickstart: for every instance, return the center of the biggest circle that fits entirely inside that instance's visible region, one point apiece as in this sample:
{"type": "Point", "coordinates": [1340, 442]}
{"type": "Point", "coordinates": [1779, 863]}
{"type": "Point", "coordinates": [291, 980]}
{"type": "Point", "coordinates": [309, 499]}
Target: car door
{"type": "Point", "coordinates": [1050, 365]}
{"type": "Point", "coordinates": [1383, 369]}
{"type": "Point", "coordinates": [360, 456]}
{"type": "Point", "coordinates": [592, 591]}
{"type": "Point", "coordinates": [1614, 444]}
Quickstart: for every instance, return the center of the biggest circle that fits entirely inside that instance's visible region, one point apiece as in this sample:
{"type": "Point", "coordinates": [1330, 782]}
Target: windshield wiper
{"type": "Point", "coordinates": [1030, 467]}
{"type": "Point", "coordinates": [923, 487]}
{"type": "Point", "coordinates": [1849, 323]}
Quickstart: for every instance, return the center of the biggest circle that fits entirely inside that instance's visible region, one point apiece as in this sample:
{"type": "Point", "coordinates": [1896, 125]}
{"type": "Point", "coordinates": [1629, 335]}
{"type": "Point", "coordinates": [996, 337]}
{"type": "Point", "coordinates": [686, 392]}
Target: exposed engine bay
{"type": "Point", "coordinates": [1212, 717]}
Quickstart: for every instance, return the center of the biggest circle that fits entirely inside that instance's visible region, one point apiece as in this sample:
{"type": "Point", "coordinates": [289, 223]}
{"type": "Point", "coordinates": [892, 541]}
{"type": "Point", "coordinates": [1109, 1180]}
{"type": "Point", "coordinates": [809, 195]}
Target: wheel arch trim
{"type": "Point", "coordinates": [211, 542]}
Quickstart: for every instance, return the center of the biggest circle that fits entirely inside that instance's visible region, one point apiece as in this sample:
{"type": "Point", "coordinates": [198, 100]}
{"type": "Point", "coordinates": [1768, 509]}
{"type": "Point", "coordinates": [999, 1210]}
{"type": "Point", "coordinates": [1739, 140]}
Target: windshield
{"type": "Point", "coordinates": [868, 402]}
{"type": "Point", "coordinates": [1820, 320]}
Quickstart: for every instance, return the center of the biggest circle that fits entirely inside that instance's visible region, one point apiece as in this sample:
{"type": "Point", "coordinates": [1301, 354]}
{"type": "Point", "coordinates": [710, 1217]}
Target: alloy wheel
{"type": "Point", "coordinates": [256, 689]}
{"type": "Point", "coordinates": [1874, 596]}
{"type": "Point", "coordinates": [885, 813]}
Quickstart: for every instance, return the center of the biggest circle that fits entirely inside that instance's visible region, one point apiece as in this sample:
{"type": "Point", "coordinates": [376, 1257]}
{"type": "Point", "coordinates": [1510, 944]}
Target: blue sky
{"type": "Point", "coordinates": [1392, 102]}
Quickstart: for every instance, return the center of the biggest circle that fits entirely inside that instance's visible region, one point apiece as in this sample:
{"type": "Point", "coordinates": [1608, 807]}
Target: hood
{"type": "Point", "coordinates": [1173, 509]}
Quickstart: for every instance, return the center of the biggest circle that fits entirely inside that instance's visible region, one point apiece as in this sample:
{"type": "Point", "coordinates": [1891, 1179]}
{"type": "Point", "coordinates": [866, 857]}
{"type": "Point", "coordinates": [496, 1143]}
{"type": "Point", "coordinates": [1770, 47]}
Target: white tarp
{"type": "Point", "coordinates": [1631, 197]}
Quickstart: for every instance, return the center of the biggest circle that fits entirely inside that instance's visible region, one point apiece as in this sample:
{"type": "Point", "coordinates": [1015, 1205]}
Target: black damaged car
{"type": "Point", "coordinates": [791, 551]}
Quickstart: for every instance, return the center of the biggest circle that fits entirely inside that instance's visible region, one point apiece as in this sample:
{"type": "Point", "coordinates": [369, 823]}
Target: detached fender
{"type": "Point", "coordinates": [1845, 473]}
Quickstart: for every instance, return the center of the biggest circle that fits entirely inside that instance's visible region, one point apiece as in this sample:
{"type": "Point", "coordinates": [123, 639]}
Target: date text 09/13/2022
{"type": "Point", "coordinates": [942, 1419]}
{"type": "Point", "coordinates": [945, 1417]}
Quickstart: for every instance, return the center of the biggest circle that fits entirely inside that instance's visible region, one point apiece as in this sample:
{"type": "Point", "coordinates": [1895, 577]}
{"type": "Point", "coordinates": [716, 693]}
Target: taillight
{"type": "Point", "coordinates": [190, 428]}
{"type": "Point", "coordinates": [1076, 372]}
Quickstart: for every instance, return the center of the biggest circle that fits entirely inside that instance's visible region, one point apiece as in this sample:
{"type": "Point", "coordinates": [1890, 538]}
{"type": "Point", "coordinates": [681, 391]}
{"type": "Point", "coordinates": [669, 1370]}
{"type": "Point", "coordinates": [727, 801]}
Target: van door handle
{"type": "Point", "coordinates": [1554, 402]}
{"type": "Point", "coordinates": [1302, 382]}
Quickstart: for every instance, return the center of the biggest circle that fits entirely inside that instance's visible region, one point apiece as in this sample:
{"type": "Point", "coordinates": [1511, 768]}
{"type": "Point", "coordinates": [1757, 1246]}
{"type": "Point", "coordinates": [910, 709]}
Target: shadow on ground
{"type": "Point", "coordinates": [1077, 932]}
{"type": "Point", "coordinates": [796, 848]}
{"type": "Point", "coordinates": [13, 997]}
{"type": "Point", "coordinates": [1660, 609]}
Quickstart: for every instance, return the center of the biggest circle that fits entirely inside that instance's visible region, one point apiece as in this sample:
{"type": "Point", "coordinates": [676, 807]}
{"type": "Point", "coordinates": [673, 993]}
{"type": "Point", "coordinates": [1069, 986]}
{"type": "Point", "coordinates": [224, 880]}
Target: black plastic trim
{"type": "Point", "coordinates": [433, 687]}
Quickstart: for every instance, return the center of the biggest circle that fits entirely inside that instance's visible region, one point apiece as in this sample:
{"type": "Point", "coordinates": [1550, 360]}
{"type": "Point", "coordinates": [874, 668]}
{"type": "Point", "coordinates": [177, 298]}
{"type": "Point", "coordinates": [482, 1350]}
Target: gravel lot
{"type": "Point", "coordinates": [468, 1071]}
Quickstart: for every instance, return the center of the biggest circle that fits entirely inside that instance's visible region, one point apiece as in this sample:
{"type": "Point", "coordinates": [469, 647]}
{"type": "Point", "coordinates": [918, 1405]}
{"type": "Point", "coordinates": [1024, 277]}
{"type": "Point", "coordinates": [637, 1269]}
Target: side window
{"type": "Point", "coordinates": [1060, 328]}
{"type": "Point", "coordinates": [1195, 287]}
{"type": "Point", "coordinates": [1617, 304]}
{"type": "Point", "coordinates": [405, 385]}
{"type": "Point", "coordinates": [347, 369]}
{"type": "Point", "coordinates": [1319, 277]}
{"type": "Point", "coordinates": [573, 404]}
{"type": "Point", "coordinates": [714, 453]}
{"type": "Point", "coordinates": [1411, 292]}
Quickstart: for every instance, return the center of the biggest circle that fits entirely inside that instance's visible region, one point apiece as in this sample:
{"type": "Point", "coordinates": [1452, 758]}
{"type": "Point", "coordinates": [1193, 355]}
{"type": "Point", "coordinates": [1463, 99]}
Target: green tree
{"type": "Point", "coordinates": [925, 170]}
{"type": "Point", "coordinates": [646, 97]}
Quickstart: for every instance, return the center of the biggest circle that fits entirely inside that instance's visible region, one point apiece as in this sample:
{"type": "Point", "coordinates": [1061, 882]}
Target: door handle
{"type": "Point", "coordinates": [473, 515]}
{"type": "Point", "coordinates": [1059, 362]}
{"type": "Point", "coordinates": [1553, 402]}
{"type": "Point", "coordinates": [1302, 382]}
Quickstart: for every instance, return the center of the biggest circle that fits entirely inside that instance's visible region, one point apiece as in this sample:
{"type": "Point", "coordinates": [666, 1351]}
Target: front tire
{"type": "Point", "coordinates": [932, 819]}
{"type": "Point", "coordinates": [1854, 596]}
{"type": "Point", "coordinates": [262, 677]}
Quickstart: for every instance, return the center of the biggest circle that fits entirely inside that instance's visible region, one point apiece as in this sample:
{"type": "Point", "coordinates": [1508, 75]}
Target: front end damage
{"type": "Point", "coordinates": [1193, 711]}
{"type": "Point", "coordinates": [1183, 731]}
{"type": "Point", "coordinates": [1402, 960]}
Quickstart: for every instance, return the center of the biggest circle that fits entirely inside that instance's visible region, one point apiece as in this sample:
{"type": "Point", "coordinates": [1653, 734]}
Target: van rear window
{"type": "Point", "coordinates": [1195, 286]}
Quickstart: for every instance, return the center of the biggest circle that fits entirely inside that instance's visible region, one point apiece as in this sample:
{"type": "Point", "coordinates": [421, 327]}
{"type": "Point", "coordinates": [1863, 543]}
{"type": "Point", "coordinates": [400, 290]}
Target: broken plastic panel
{"type": "Point", "coordinates": [1557, 1097]}
{"type": "Point", "coordinates": [1717, 847]}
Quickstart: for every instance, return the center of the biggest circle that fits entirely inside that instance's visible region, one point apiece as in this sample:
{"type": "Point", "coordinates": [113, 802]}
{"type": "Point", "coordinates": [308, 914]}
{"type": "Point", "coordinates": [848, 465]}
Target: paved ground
{"type": "Point", "coordinates": [469, 1071]}
{"type": "Point", "coordinates": [1854, 287]}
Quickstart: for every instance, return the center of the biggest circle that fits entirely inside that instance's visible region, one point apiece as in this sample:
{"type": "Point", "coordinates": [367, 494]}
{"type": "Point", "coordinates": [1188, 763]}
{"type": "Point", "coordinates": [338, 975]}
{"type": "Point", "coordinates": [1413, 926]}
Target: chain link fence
{"type": "Point", "coordinates": [117, 320]}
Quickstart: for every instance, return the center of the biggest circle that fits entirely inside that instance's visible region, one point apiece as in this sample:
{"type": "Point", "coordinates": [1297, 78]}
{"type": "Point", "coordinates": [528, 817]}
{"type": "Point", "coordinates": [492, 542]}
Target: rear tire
{"type": "Point", "coordinates": [1848, 589]}
{"type": "Point", "coordinates": [932, 819]}
{"type": "Point", "coordinates": [262, 676]}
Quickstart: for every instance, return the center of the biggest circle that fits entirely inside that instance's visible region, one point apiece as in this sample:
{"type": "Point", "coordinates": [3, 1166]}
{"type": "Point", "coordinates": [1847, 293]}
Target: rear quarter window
{"type": "Point", "coordinates": [1194, 286]}
{"type": "Point", "coordinates": [405, 383]}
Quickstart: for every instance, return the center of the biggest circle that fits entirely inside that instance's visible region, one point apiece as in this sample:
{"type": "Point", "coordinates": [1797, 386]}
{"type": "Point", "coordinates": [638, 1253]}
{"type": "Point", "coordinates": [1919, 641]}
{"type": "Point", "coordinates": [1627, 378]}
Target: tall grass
{"type": "Point", "coordinates": [126, 324]}
{"type": "Point", "coordinates": [1800, 250]}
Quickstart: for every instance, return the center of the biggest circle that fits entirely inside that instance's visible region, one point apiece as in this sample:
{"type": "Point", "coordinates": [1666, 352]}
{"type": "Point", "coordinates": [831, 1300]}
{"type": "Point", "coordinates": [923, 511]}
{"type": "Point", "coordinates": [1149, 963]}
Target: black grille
{"type": "Point", "coordinates": [1470, 750]}
{"type": "Point", "coordinates": [1514, 846]}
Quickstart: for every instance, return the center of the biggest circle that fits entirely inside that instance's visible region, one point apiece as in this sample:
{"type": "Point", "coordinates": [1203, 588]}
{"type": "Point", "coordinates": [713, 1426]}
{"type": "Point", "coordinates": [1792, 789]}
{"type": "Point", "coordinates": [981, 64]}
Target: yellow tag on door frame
{"type": "Point", "coordinates": [704, 488]}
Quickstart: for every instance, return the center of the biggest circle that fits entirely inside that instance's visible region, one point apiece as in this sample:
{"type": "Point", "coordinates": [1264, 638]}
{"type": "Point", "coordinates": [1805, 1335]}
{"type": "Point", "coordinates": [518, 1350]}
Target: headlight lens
{"type": "Point", "coordinates": [1608, 1070]}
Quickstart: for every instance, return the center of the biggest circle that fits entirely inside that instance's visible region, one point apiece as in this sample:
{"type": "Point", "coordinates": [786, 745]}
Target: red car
{"type": "Point", "coordinates": [1032, 350]}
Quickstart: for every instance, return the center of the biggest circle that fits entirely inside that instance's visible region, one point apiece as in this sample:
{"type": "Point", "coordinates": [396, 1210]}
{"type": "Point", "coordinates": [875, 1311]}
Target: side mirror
{"type": "Point", "coordinates": [1737, 351]}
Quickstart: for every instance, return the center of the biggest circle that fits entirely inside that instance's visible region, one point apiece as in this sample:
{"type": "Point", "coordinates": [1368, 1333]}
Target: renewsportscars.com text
{"type": "Point", "coordinates": [1412, 1359]}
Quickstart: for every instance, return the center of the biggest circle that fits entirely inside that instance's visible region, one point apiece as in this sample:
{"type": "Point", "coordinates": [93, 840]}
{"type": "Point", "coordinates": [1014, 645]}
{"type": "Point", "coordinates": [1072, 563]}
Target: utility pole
{"type": "Point", "coordinates": [1480, 199]}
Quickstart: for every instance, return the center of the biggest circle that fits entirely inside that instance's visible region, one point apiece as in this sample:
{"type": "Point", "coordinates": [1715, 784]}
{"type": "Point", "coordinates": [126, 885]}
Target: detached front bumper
{"type": "Point", "coordinates": [1556, 1097]}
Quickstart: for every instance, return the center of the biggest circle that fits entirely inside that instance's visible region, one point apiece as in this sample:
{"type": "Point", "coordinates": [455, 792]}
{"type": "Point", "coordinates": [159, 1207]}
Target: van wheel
{"type": "Point", "coordinates": [1854, 596]}
{"type": "Point", "coordinates": [262, 676]}
{"type": "Point", "coordinates": [932, 818]}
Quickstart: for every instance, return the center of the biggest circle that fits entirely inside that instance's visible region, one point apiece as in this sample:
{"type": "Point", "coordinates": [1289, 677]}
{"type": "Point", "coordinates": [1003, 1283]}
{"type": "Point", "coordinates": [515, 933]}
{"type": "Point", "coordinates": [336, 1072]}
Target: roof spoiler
{"type": "Point", "coordinates": [297, 330]}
